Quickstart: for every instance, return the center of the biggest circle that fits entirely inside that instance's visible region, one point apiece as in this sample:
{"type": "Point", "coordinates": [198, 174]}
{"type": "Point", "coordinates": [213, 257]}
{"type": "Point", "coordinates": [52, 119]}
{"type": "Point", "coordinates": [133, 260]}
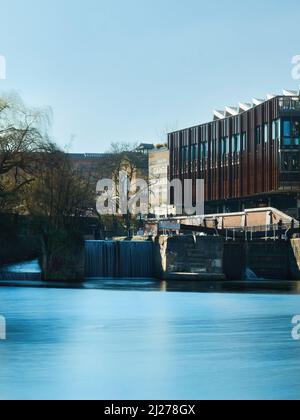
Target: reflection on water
{"type": "Point", "coordinates": [154, 285]}
{"type": "Point", "coordinates": [102, 344]}
{"type": "Point", "coordinates": [258, 286]}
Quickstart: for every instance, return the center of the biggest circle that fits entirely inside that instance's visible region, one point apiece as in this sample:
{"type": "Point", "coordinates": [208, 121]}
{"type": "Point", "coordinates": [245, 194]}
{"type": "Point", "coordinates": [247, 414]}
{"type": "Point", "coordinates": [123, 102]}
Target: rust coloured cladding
{"type": "Point", "coordinates": [241, 155]}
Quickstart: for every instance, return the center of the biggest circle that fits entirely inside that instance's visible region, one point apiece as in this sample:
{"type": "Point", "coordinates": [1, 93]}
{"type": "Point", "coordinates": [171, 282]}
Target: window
{"type": "Point", "coordinates": [186, 154]}
{"type": "Point", "coordinates": [296, 129]}
{"type": "Point", "coordinates": [244, 141]}
{"type": "Point", "coordinates": [291, 133]}
{"type": "Point", "coordinates": [233, 144]}
{"type": "Point", "coordinates": [225, 146]}
{"type": "Point", "coordinates": [205, 150]}
{"type": "Point", "coordinates": [287, 141]}
{"type": "Point", "coordinates": [258, 135]}
{"type": "Point", "coordinates": [182, 155]}
{"type": "Point", "coordinates": [236, 143]}
{"type": "Point", "coordinates": [287, 129]}
{"type": "Point", "coordinates": [276, 130]}
{"type": "Point", "coordinates": [290, 162]}
{"type": "Point", "coordinates": [266, 133]}
{"type": "Point", "coordinates": [194, 152]}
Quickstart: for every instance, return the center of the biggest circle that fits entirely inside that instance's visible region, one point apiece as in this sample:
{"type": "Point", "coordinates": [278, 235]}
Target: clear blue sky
{"type": "Point", "coordinates": [131, 70]}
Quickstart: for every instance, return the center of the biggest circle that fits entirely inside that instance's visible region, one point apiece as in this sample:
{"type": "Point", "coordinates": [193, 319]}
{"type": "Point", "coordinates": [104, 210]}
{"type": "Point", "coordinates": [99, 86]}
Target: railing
{"type": "Point", "coordinates": [289, 103]}
{"type": "Point", "coordinates": [275, 231]}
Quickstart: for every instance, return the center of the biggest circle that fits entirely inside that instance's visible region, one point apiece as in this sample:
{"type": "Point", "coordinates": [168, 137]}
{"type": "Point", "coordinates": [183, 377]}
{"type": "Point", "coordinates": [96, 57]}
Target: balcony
{"type": "Point", "coordinates": [288, 104]}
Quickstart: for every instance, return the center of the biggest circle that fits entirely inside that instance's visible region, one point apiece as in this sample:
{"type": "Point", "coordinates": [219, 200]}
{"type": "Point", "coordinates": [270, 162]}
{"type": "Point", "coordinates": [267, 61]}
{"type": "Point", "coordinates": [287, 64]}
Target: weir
{"type": "Point", "coordinates": [27, 271]}
{"type": "Point", "coordinates": [128, 259]}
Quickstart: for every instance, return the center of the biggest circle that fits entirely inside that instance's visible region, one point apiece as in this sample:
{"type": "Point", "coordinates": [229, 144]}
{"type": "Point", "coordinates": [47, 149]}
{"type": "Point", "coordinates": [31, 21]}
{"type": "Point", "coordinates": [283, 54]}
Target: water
{"type": "Point", "coordinates": [25, 267]}
{"type": "Point", "coordinates": [26, 271]}
{"type": "Point", "coordinates": [250, 275]}
{"type": "Point", "coordinates": [118, 259]}
{"type": "Point", "coordinates": [105, 344]}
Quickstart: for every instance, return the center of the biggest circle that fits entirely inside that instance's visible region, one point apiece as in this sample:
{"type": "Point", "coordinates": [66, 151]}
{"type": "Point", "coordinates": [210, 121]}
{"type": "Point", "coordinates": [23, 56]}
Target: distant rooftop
{"type": "Point", "coordinates": [231, 111]}
{"type": "Point", "coordinates": [146, 146]}
{"type": "Point", "coordinates": [88, 155]}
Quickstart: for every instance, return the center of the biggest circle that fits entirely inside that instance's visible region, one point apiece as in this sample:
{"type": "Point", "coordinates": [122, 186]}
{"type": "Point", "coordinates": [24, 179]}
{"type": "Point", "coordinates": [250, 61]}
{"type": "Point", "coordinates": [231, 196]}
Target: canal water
{"type": "Point", "coordinates": [141, 344]}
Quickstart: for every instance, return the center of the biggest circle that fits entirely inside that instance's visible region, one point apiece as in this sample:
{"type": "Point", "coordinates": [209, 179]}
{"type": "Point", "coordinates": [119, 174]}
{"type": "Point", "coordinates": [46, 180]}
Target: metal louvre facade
{"type": "Point", "coordinates": [254, 152]}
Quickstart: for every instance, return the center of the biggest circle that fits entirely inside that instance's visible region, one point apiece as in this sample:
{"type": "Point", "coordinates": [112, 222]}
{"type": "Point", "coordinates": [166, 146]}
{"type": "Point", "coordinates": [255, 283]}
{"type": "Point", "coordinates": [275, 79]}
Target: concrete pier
{"type": "Point", "coordinates": [205, 258]}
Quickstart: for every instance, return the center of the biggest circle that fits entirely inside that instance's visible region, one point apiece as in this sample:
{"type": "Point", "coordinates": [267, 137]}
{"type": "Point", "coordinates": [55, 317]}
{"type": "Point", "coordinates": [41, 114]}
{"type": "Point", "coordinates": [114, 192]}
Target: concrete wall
{"type": "Point", "coordinates": [184, 254]}
{"type": "Point", "coordinates": [294, 259]}
{"type": "Point", "coordinates": [213, 256]}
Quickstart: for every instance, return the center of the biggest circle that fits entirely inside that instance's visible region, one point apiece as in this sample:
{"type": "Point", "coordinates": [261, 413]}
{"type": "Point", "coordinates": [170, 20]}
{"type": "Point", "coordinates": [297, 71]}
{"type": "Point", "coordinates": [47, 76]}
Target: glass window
{"type": "Point", "coordinates": [296, 129]}
{"type": "Point", "coordinates": [227, 146]}
{"type": "Point", "coordinates": [276, 130]}
{"type": "Point", "coordinates": [233, 144]}
{"type": "Point", "coordinates": [266, 133]}
{"type": "Point", "coordinates": [244, 145]}
{"type": "Point", "coordinates": [287, 129]}
{"type": "Point", "coordinates": [258, 135]}
{"type": "Point", "coordinates": [238, 141]}
{"type": "Point", "coordinates": [287, 141]}
{"type": "Point", "coordinates": [193, 152]}
{"type": "Point", "coordinates": [224, 146]}
{"type": "Point", "coordinates": [205, 149]}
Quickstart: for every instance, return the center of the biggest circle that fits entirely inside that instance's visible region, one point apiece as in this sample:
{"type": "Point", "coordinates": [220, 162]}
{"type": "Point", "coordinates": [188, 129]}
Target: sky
{"type": "Point", "coordinates": [133, 70]}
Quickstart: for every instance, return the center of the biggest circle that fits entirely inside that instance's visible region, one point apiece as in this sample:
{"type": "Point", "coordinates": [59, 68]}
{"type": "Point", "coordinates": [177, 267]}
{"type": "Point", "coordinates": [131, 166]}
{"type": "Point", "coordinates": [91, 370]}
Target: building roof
{"type": "Point", "coordinates": [88, 155]}
{"type": "Point", "coordinates": [148, 146]}
{"type": "Point", "coordinates": [242, 107]}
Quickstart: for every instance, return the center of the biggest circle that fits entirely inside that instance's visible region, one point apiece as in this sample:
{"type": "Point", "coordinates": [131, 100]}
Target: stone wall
{"type": "Point", "coordinates": [294, 256]}
{"type": "Point", "coordinates": [209, 257]}
{"type": "Point", "coordinates": [186, 254]}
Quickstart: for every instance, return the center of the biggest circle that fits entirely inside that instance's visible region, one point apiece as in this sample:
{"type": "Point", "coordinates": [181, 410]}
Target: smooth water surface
{"type": "Point", "coordinates": [104, 344]}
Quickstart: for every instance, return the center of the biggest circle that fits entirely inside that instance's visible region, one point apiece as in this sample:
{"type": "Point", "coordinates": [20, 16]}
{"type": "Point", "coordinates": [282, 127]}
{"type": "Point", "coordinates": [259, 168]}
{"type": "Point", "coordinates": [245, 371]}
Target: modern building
{"type": "Point", "coordinates": [158, 182]}
{"type": "Point", "coordinates": [248, 155]}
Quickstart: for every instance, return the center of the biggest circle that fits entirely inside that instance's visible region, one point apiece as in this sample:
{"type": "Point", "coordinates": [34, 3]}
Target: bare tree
{"type": "Point", "coordinates": [58, 192]}
{"type": "Point", "coordinates": [124, 158]}
{"type": "Point", "coordinates": [23, 137]}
